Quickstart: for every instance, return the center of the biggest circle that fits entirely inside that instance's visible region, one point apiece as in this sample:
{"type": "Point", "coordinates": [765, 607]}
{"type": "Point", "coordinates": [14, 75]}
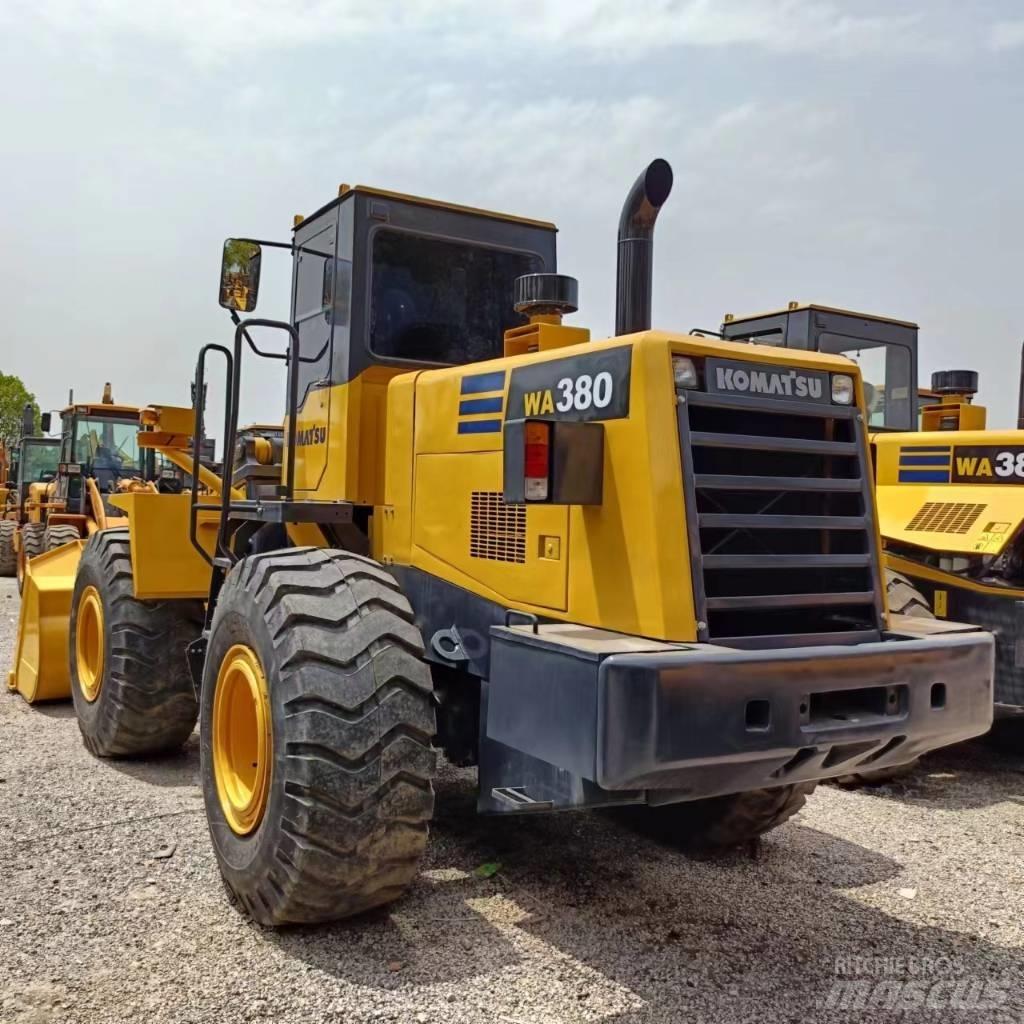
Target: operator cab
{"type": "Point", "coordinates": [385, 279]}
{"type": "Point", "coordinates": [36, 463]}
{"type": "Point", "coordinates": [99, 441]}
{"type": "Point", "coordinates": [885, 350]}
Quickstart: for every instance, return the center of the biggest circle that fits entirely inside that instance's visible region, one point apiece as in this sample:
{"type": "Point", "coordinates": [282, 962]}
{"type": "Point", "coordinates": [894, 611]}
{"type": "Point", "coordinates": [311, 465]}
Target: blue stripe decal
{"type": "Point", "coordinates": [924, 476]}
{"type": "Point", "coordinates": [480, 426]}
{"type": "Point", "coordinates": [476, 383]}
{"type": "Point", "coordinates": [924, 460]}
{"type": "Point", "coordinates": [471, 405]}
{"type": "Point", "coordinates": [913, 449]}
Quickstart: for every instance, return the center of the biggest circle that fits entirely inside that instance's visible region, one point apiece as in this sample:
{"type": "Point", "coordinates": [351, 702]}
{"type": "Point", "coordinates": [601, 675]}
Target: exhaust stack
{"type": "Point", "coordinates": [28, 420]}
{"type": "Point", "coordinates": [634, 276]}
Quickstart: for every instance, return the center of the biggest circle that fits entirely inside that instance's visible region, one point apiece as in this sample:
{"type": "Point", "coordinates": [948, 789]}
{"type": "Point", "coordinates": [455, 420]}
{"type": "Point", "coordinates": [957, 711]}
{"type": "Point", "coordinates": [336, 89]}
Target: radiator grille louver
{"type": "Point", "coordinates": [945, 517]}
{"type": "Point", "coordinates": [782, 542]}
{"type": "Point", "coordinates": [497, 530]}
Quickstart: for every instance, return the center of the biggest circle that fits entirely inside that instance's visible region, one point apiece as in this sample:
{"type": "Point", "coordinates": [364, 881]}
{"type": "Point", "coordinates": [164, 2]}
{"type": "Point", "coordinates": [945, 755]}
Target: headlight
{"type": "Point", "coordinates": [842, 389]}
{"type": "Point", "coordinates": [684, 373]}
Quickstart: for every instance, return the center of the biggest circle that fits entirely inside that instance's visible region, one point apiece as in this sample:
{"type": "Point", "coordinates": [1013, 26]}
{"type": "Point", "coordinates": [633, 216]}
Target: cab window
{"type": "Point", "coordinates": [436, 300]}
{"type": "Point", "coordinates": [885, 370]}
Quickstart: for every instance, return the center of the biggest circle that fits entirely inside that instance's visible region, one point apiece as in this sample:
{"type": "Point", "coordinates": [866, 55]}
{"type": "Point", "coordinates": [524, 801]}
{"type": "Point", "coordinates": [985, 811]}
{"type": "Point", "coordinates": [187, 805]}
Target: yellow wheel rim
{"type": "Point", "coordinates": [242, 741]}
{"type": "Point", "coordinates": [89, 643]}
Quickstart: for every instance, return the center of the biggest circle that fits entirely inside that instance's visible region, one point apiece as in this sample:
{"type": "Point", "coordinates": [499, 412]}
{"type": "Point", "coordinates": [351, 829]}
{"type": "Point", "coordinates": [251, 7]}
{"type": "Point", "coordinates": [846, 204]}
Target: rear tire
{"type": "Point", "coordinates": [129, 675]}
{"type": "Point", "coordinates": [348, 795]}
{"type": "Point", "coordinates": [904, 599]}
{"type": "Point", "coordinates": [8, 556]}
{"type": "Point", "coordinates": [33, 542]}
{"type": "Point", "coordinates": [58, 536]}
{"type": "Point", "coordinates": [721, 822]}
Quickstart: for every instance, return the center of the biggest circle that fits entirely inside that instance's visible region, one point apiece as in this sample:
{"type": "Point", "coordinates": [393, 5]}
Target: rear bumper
{"type": "Point", "coordinates": [701, 720]}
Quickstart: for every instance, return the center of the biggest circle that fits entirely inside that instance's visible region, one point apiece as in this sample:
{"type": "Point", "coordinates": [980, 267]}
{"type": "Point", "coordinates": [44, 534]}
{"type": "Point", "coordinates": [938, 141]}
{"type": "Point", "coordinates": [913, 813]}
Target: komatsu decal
{"type": "Point", "coordinates": [311, 435]}
{"type": "Point", "coordinates": [727, 376]}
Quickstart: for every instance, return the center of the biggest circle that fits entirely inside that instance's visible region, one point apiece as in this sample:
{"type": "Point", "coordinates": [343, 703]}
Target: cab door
{"type": "Point", "coordinates": [314, 263]}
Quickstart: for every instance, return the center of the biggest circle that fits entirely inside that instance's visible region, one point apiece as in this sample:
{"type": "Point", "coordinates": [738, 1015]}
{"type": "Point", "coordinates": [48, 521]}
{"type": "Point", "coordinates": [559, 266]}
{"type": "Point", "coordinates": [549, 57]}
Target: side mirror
{"type": "Point", "coordinates": [240, 275]}
{"type": "Point", "coordinates": [44, 422]}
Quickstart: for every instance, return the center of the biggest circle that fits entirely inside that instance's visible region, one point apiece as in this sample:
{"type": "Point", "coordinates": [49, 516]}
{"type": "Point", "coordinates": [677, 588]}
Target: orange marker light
{"type": "Point", "coordinates": [537, 460]}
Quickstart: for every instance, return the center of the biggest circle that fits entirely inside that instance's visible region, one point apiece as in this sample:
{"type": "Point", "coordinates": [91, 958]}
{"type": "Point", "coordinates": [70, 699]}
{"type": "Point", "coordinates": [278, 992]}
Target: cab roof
{"type": "Point", "coordinates": [345, 191]}
{"type": "Point", "coordinates": [796, 307]}
{"type": "Point", "coordinates": [101, 409]}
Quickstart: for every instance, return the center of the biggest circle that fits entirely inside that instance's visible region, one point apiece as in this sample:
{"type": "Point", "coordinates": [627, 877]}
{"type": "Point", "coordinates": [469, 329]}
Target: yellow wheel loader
{"type": "Point", "coordinates": [32, 471]}
{"type": "Point", "coordinates": [98, 457]}
{"type": "Point", "coordinates": [950, 494]}
{"type": "Point", "coordinates": [643, 571]}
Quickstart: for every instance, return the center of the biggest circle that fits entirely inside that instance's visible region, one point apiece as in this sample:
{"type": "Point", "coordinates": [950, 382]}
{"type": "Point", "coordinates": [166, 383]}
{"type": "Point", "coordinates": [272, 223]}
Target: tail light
{"type": "Point", "coordinates": [537, 460]}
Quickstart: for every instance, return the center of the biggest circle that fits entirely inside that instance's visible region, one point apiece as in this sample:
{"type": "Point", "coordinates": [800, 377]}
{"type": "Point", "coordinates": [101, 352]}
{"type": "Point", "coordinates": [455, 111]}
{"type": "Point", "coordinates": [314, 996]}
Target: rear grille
{"type": "Point", "coordinates": [783, 550]}
{"type": "Point", "coordinates": [945, 517]}
{"type": "Point", "coordinates": [497, 531]}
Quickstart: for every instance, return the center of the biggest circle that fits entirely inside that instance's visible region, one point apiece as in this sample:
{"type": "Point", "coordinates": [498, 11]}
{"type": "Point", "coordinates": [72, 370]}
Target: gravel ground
{"type": "Point", "coordinates": [111, 907]}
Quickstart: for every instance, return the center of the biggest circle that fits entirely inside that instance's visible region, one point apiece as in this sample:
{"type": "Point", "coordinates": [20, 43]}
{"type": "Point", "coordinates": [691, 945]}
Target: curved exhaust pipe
{"type": "Point", "coordinates": [634, 280]}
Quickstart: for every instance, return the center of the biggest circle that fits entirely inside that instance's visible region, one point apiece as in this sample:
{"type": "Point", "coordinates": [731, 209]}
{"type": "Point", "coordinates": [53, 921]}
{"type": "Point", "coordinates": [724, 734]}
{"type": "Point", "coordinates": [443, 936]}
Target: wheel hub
{"type": "Point", "coordinates": [242, 742]}
{"type": "Point", "coordinates": [89, 643]}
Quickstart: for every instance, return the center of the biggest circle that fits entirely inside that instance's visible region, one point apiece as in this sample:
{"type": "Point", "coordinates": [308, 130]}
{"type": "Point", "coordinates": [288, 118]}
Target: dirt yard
{"type": "Point", "coordinates": [902, 903]}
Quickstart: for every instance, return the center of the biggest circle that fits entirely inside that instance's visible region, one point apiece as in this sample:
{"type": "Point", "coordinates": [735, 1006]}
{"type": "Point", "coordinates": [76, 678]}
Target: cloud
{"type": "Point", "coordinates": [210, 31]}
{"type": "Point", "coordinates": [1006, 35]}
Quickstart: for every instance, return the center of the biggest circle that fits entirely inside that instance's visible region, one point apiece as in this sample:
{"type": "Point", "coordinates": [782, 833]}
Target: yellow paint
{"type": "Point", "coordinates": [941, 603]}
{"type": "Point", "coordinates": [90, 643]}
{"type": "Point", "coordinates": [898, 503]}
{"type": "Point", "coordinates": [625, 562]}
{"type": "Point", "coordinates": [347, 465]}
{"type": "Point", "coordinates": [164, 562]}
{"type": "Point", "coordinates": [40, 670]}
{"type": "Point", "coordinates": [242, 739]}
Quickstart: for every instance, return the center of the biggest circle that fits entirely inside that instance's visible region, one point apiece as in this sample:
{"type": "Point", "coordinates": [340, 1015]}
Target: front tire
{"type": "Point", "coordinates": [130, 681]}
{"type": "Point", "coordinates": [316, 723]}
{"type": "Point", "coordinates": [57, 536]}
{"type": "Point", "coordinates": [33, 542]}
{"type": "Point", "coordinates": [8, 556]}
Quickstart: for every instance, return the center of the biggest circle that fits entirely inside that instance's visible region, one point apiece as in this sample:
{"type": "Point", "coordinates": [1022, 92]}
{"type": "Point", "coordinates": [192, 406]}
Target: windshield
{"type": "Point", "coordinates": [107, 448]}
{"type": "Point", "coordinates": [885, 370]}
{"type": "Point", "coordinates": [442, 301]}
{"type": "Point", "coordinates": [39, 461]}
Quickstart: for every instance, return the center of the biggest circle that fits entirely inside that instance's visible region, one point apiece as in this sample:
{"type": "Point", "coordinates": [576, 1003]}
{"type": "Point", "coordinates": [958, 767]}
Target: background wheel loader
{"type": "Point", "coordinates": [950, 495]}
{"type": "Point", "coordinates": [30, 473]}
{"type": "Point", "coordinates": [643, 571]}
{"type": "Point", "coordinates": [98, 457]}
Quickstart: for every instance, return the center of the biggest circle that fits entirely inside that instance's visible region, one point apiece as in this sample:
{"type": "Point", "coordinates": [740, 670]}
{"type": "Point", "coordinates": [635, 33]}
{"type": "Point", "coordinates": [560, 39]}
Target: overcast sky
{"type": "Point", "coordinates": [863, 154]}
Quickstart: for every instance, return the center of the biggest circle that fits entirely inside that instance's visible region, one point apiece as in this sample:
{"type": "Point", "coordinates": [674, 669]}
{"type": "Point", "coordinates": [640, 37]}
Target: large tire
{"type": "Point", "coordinates": [721, 822]}
{"type": "Point", "coordinates": [33, 542]}
{"type": "Point", "coordinates": [58, 536]}
{"type": "Point", "coordinates": [8, 556]}
{"type": "Point", "coordinates": [132, 690]}
{"type": "Point", "coordinates": [904, 599]}
{"type": "Point", "coordinates": [343, 778]}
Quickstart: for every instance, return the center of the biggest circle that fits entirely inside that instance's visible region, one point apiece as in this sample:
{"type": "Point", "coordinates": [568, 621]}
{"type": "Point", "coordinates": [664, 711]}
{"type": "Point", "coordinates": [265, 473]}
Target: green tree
{"type": "Point", "coordinates": [13, 396]}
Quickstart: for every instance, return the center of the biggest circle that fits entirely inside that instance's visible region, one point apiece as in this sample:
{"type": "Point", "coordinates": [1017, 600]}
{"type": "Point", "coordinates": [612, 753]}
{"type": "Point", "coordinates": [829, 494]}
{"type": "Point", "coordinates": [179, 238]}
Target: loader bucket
{"type": "Point", "coordinates": [41, 657]}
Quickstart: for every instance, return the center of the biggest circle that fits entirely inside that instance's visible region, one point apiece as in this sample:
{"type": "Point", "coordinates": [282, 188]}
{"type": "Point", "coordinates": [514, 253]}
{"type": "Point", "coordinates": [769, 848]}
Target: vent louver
{"type": "Point", "coordinates": [497, 530]}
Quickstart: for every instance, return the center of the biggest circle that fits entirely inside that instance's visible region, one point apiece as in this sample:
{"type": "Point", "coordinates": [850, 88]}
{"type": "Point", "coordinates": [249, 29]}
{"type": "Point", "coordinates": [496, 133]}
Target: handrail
{"type": "Point", "coordinates": [199, 471]}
